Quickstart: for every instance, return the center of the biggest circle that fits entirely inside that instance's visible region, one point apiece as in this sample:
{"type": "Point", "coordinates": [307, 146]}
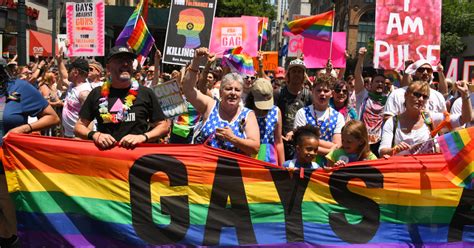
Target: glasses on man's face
{"type": "Point", "coordinates": [249, 78]}
{"type": "Point", "coordinates": [418, 95]}
{"type": "Point", "coordinates": [423, 69]}
{"type": "Point", "coordinates": [210, 78]}
{"type": "Point", "coordinates": [339, 91]}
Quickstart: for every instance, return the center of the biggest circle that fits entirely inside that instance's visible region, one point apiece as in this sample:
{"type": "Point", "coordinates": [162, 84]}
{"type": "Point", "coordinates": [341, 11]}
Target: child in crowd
{"type": "Point", "coordinates": [306, 140]}
{"type": "Point", "coordinates": [355, 146]}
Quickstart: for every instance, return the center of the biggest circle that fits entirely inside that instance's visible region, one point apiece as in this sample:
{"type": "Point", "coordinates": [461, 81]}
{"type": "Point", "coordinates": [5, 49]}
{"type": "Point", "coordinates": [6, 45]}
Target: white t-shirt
{"type": "Point", "coordinates": [457, 108]}
{"type": "Point", "coordinates": [72, 106]}
{"type": "Point", "coordinates": [396, 99]}
{"type": "Point", "coordinates": [300, 118]}
{"type": "Point", "coordinates": [415, 136]}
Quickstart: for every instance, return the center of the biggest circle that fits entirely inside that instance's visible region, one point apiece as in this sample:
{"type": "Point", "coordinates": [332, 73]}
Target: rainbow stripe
{"type": "Point", "coordinates": [69, 193]}
{"type": "Point", "coordinates": [267, 153]}
{"type": "Point", "coordinates": [262, 31]}
{"type": "Point", "coordinates": [129, 26]}
{"type": "Point", "coordinates": [393, 76]}
{"type": "Point", "coordinates": [238, 61]}
{"type": "Point", "coordinates": [314, 27]}
{"type": "Point", "coordinates": [141, 39]}
{"type": "Point", "coordinates": [458, 150]}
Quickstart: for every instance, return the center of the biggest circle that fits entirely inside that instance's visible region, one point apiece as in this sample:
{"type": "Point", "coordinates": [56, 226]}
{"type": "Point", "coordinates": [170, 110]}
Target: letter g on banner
{"type": "Point", "coordinates": [177, 207]}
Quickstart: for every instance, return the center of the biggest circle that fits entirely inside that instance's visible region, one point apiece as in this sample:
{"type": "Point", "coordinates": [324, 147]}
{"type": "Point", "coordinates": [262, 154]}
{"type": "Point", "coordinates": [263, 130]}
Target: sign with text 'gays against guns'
{"type": "Point", "coordinates": [85, 28]}
{"type": "Point", "coordinates": [409, 29]}
{"type": "Point", "coordinates": [170, 98]}
{"type": "Point", "coordinates": [189, 27]}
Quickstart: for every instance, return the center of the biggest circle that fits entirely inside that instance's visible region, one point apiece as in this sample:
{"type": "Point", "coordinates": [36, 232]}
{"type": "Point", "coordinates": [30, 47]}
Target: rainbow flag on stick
{"type": "Point", "coordinates": [313, 27]}
{"type": "Point", "coordinates": [262, 31]}
{"type": "Point", "coordinates": [458, 150]}
{"type": "Point", "coordinates": [238, 61]}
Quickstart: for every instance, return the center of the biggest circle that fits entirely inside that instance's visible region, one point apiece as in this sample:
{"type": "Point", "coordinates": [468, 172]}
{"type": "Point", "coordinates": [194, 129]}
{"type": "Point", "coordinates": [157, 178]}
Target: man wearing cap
{"type": "Point", "coordinates": [423, 71]}
{"type": "Point", "coordinates": [78, 87]}
{"type": "Point", "coordinates": [290, 99]}
{"type": "Point", "coordinates": [124, 109]}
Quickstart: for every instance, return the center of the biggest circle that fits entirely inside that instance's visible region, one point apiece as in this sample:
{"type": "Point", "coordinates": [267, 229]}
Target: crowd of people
{"type": "Point", "coordinates": [285, 118]}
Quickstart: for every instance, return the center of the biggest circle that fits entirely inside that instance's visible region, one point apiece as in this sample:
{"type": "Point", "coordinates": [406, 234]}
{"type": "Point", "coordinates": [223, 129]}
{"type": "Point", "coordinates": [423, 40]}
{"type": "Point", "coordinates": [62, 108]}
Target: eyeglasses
{"type": "Point", "coordinates": [418, 95]}
{"type": "Point", "coordinates": [210, 77]}
{"type": "Point", "coordinates": [249, 78]}
{"type": "Point", "coordinates": [338, 91]}
{"type": "Point", "coordinates": [423, 69]}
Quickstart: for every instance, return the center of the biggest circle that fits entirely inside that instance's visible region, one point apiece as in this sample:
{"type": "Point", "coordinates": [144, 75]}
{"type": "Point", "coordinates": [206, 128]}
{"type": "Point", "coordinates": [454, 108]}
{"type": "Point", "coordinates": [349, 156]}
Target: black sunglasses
{"type": "Point", "coordinates": [423, 69]}
{"type": "Point", "coordinates": [338, 91]}
{"type": "Point", "coordinates": [418, 95]}
{"type": "Point", "coordinates": [251, 78]}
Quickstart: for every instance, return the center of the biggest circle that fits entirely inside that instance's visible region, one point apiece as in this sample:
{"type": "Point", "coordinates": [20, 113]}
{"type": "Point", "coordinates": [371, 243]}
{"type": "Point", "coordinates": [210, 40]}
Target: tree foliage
{"type": "Point", "coordinates": [237, 8]}
{"type": "Point", "coordinates": [457, 22]}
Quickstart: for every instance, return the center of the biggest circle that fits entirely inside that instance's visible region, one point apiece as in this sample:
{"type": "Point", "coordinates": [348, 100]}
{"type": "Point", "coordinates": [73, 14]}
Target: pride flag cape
{"type": "Point", "coordinates": [314, 27]}
{"type": "Point", "coordinates": [67, 193]}
{"type": "Point", "coordinates": [238, 61]}
{"type": "Point", "coordinates": [458, 150]}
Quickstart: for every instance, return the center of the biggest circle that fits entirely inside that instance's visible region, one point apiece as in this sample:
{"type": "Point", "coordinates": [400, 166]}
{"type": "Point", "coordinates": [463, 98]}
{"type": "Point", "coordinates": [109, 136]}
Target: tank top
{"type": "Point", "coordinates": [266, 124]}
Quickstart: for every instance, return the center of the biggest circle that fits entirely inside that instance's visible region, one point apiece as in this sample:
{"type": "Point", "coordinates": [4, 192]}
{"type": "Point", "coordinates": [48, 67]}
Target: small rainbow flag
{"type": "Point", "coordinates": [262, 31]}
{"type": "Point", "coordinates": [238, 61]}
{"type": "Point", "coordinates": [129, 26]}
{"type": "Point", "coordinates": [314, 27]}
{"type": "Point", "coordinates": [393, 76]}
{"type": "Point", "coordinates": [458, 150]}
{"type": "Point", "coordinates": [141, 40]}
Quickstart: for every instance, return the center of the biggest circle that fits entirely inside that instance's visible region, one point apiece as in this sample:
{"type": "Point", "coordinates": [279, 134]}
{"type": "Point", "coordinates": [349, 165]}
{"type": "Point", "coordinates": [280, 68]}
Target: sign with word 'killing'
{"type": "Point", "coordinates": [85, 28]}
{"type": "Point", "coordinates": [409, 29]}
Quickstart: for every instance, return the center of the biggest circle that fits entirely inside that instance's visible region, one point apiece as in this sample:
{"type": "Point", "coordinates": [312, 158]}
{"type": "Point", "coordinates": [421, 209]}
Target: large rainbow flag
{"type": "Point", "coordinates": [238, 61]}
{"type": "Point", "coordinates": [314, 27]}
{"type": "Point", "coordinates": [458, 150]}
{"type": "Point", "coordinates": [68, 193]}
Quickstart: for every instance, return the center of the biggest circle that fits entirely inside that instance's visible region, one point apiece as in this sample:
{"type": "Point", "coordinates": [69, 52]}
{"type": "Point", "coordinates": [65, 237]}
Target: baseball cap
{"type": "Point", "coordinates": [297, 63]}
{"type": "Point", "coordinates": [116, 50]}
{"type": "Point", "coordinates": [280, 73]}
{"type": "Point", "coordinates": [151, 68]}
{"type": "Point", "coordinates": [411, 69]}
{"type": "Point", "coordinates": [80, 64]}
{"type": "Point", "coordinates": [262, 92]}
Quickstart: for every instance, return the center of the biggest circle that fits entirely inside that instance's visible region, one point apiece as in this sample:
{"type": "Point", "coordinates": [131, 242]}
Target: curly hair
{"type": "Point", "coordinates": [305, 131]}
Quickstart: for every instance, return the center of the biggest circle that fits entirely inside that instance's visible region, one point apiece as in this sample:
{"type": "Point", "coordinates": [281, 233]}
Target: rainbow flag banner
{"type": "Point", "coordinates": [238, 61]}
{"type": "Point", "coordinates": [68, 193]}
{"type": "Point", "coordinates": [314, 27]}
{"type": "Point", "coordinates": [458, 150]}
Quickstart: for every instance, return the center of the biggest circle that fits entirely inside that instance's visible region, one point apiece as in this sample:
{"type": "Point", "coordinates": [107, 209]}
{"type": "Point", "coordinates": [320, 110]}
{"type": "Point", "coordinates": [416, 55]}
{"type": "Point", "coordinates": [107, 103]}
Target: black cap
{"type": "Point", "coordinates": [116, 50]}
{"type": "Point", "coordinates": [80, 64]}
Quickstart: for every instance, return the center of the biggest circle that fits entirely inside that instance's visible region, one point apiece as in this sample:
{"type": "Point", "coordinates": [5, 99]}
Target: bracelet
{"type": "Point", "coordinates": [146, 137]}
{"type": "Point", "coordinates": [191, 69]}
{"type": "Point", "coordinates": [31, 128]}
{"type": "Point", "coordinates": [90, 135]}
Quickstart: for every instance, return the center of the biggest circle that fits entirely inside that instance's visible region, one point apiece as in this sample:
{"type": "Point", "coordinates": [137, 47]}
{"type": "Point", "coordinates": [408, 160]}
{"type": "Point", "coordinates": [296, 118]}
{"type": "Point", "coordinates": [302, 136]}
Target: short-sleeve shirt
{"type": "Point", "coordinates": [289, 105]}
{"type": "Point", "coordinates": [21, 100]}
{"type": "Point", "coordinates": [320, 116]}
{"type": "Point", "coordinates": [145, 109]}
{"type": "Point", "coordinates": [294, 164]}
{"type": "Point", "coordinates": [396, 100]}
{"type": "Point", "coordinates": [340, 154]}
{"type": "Point", "coordinates": [457, 108]}
{"type": "Point", "coordinates": [414, 137]}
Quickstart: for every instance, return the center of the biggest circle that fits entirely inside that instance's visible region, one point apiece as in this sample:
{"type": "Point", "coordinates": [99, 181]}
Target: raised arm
{"type": "Point", "coordinates": [359, 80]}
{"type": "Point", "coordinates": [157, 67]}
{"type": "Point", "coordinates": [62, 71]}
{"type": "Point", "coordinates": [202, 83]}
{"type": "Point", "coordinates": [200, 101]}
{"type": "Point", "coordinates": [466, 102]}
{"type": "Point", "coordinates": [406, 79]}
{"type": "Point", "coordinates": [442, 85]}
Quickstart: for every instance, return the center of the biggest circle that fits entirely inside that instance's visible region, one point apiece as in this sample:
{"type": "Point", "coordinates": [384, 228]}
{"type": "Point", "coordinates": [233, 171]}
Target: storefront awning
{"type": "Point", "coordinates": [40, 44]}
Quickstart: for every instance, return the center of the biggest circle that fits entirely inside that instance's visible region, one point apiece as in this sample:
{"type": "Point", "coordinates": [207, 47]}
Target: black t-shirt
{"type": "Point", "coordinates": [289, 104]}
{"type": "Point", "coordinates": [145, 109]}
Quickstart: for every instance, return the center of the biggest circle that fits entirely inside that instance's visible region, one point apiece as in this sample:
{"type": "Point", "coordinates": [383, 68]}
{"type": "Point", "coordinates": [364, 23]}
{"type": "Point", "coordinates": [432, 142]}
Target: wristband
{"type": "Point", "coordinates": [90, 135]}
{"type": "Point", "coordinates": [31, 128]}
{"type": "Point", "coordinates": [146, 137]}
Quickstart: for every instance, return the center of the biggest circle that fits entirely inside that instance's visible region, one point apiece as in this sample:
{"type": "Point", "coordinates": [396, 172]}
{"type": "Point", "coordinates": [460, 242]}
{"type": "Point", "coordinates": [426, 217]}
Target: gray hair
{"type": "Point", "coordinates": [231, 77]}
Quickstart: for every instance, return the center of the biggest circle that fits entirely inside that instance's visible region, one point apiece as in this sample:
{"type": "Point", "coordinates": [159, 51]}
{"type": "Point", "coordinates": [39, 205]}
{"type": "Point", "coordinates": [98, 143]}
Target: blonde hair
{"type": "Point", "coordinates": [48, 78]}
{"type": "Point", "coordinates": [358, 131]}
{"type": "Point", "coordinates": [422, 86]}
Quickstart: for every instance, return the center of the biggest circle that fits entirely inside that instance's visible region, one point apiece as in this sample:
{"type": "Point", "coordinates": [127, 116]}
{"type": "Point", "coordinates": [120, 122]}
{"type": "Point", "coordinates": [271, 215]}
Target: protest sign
{"type": "Point", "coordinates": [316, 52]}
{"type": "Point", "coordinates": [189, 27]}
{"type": "Point", "coordinates": [85, 28]}
{"type": "Point", "coordinates": [295, 42]}
{"type": "Point", "coordinates": [409, 29]}
{"type": "Point", "coordinates": [62, 43]}
{"type": "Point", "coordinates": [67, 193]}
{"type": "Point", "coordinates": [460, 69]}
{"type": "Point", "coordinates": [170, 98]}
{"type": "Point", "coordinates": [270, 61]}
{"type": "Point", "coordinates": [233, 32]}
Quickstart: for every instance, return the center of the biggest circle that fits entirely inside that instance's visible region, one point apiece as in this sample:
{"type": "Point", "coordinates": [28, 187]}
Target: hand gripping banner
{"type": "Point", "coordinates": [69, 193]}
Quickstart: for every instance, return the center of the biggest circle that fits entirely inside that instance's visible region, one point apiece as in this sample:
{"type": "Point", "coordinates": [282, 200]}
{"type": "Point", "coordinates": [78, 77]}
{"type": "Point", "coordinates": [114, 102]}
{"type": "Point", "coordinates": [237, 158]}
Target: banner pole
{"type": "Point", "coordinates": [332, 30]}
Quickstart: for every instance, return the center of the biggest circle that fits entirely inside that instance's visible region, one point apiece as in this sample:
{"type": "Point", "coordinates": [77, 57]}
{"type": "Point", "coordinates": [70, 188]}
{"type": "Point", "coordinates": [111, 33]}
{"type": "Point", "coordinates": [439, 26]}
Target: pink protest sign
{"type": "Point", "coordinates": [316, 52]}
{"type": "Point", "coordinates": [408, 29]}
{"type": "Point", "coordinates": [295, 45]}
{"type": "Point", "coordinates": [233, 32]}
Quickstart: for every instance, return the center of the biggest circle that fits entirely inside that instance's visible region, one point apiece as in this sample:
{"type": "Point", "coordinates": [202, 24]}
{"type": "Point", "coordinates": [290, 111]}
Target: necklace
{"type": "Point", "coordinates": [122, 114]}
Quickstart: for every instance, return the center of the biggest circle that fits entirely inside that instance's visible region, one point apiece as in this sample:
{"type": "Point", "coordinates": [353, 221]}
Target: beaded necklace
{"type": "Point", "coordinates": [122, 114]}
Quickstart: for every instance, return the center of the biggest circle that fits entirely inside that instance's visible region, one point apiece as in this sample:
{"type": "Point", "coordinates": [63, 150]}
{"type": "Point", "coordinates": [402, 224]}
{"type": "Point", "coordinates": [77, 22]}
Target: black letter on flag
{"type": "Point", "coordinates": [364, 231]}
{"type": "Point", "coordinates": [291, 191]}
{"type": "Point", "coordinates": [464, 216]}
{"type": "Point", "coordinates": [175, 206]}
{"type": "Point", "coordinates": [228, 184]}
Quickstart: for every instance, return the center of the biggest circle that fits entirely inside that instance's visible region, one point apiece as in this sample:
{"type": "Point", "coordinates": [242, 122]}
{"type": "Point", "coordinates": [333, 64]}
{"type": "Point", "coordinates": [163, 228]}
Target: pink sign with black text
{"type": "Point", "coordinates": [407, 29]}
{"type": "Point", "coordinates": [233, 32]}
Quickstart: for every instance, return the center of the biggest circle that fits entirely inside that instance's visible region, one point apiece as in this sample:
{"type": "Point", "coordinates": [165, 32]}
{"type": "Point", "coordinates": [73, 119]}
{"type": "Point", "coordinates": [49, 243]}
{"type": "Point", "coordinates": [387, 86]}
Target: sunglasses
{"type": "Point", "coordinates": [338, 91]}
{"type": "Point", "coordinates": [423, 69]}
{"type": "Point", "coordinates": [418, 95]}
{"type": "Point", "coordinates": [251, 78]}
